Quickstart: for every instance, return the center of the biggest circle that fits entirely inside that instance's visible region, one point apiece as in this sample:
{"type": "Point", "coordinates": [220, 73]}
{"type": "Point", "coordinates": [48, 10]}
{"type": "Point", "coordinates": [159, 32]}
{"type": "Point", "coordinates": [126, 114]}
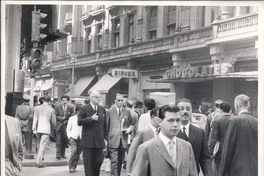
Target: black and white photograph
{"type": "Point", "coordinates": [132, 88]}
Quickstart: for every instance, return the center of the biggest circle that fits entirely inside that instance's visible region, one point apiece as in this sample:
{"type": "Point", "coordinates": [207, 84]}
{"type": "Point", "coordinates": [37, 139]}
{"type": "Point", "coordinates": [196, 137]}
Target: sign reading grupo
{"type": "Point", "coordinates": [201, 71]}
{"type": "Point", "coordinates": [124, 73]}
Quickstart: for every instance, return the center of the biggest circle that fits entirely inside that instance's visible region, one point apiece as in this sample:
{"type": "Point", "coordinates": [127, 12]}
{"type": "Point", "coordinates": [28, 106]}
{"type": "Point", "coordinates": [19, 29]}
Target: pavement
{"type": "Point", "coordinates": [49, 156]}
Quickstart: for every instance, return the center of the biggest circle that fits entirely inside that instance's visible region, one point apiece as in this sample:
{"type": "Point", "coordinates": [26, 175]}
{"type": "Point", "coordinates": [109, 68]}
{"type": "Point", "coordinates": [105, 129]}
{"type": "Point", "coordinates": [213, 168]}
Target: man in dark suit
{"type": "Point", "coordinates": [92, 118]}
{"type": "Point", "coordinates": [166, 155]}
{"type": "Point", "coordinates": [240, 150]}
{"type": "Point", "coordinates": [218, 135]}
{"type": "Point", "coordinates": [143, 136]}
{"type": "Point", "coordinates": [63, 112]}
{"type": "Point", "coordinates": [195, 136]}
{"type": "Point", "coordinates": [119, 126]}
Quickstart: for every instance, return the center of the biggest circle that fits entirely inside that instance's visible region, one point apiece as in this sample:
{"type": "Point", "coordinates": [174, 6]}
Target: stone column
{"type": "Point", "coordinates": [226, 12]}
{"type": "Point", "coordinates": [215, 51]}
{"type": "Point", "coordinates": [133, 84]}
{"type": "Point", "coordinates": [13, 40]}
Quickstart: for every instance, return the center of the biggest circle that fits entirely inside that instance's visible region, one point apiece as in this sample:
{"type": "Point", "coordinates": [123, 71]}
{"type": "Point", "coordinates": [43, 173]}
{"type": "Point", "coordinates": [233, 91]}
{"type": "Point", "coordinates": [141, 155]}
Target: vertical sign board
{"type": "Point", "coordinates": [19, 77]}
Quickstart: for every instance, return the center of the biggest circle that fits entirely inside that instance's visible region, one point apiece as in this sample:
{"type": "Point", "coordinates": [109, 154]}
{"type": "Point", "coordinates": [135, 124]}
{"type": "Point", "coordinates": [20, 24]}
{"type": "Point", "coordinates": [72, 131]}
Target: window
{"type": "Point", "coordinates": [153, 17]}
{"type": "Point", "coordinates": [131, 29]}
{"type": "Point", "coordinates": [153, 11]}
{"type": "Point", "coordinates": [184, 17]}
{"type": "Point", "coordinates": [99, 36]}
{"type": "Point", "coordinates": [172, 8]}
{"type": "Point", "coordinates": [153, 34]}
{"type": "Point", "coordinates": [171, 29]}
{"type": "Point", "coordinates": [89, 38]}
{"type": "Point", "coordinates": [116, 32]}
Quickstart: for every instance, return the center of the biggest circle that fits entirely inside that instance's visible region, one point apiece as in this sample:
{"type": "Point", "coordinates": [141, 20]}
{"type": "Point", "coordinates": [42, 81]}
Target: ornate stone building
{"type": "Point", "coordinates": [200, 52]}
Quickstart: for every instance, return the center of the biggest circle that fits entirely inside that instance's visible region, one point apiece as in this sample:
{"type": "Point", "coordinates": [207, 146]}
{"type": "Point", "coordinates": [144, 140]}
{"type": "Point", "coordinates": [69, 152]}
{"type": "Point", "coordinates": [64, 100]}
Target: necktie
{"type": "Point", "coordinates": [119, 112]}
{"type": "Point", "coordinates": [157, 130]}
{"type": "Point", "coordinates": [172, 151]}
{"type": "Point", "coordinates": [184, 134]}
{"type": "Point", "coordinates": [64, 110]}
{"type": "Point", "coordinates": [95, 108]}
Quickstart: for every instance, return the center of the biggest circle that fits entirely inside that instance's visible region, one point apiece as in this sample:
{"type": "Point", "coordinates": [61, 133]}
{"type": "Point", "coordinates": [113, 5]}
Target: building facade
{"type": "Point", "coordinates": [200, 52]}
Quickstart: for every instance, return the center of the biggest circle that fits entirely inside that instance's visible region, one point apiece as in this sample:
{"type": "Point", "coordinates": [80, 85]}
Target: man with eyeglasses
{"type": "Point", "coordinates": [92, 118]}
{"type": "Point", "coordinates": [119, 125]}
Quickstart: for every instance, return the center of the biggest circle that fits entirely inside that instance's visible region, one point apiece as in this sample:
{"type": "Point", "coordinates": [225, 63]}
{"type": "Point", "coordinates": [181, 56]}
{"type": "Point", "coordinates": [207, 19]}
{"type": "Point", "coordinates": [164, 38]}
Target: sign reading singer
{"type": "Point", "coordinates": [124, 73]}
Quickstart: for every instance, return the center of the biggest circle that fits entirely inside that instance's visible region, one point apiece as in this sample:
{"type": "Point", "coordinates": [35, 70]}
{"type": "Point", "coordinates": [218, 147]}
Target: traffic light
{"type": "Point", "coordinates": [36, 59]}
{"type": "Point", "coordinates": [37, 26]}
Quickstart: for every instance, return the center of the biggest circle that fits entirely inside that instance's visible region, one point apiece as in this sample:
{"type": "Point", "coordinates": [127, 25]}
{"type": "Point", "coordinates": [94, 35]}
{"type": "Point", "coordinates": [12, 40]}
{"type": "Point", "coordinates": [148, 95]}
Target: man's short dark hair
{"type": "Point", "coordinates": [65, 96]}
{"type": "Point", "coordinates": [226, 107]}
{"type": "Point", "coordinates": [78, 107]}
{"type": "Point", "coordinates": [150, 103]}
{"type": "Point", "coordinates": [154, 112]}
{"type": "Point", "coordinates": [218, 103]}
{"type": "Point", "coordinates": [184, 100]}
{"type": "Point", "coordinates": [167, 108]}
{"type": "Point", "coordinates": [46, 98]}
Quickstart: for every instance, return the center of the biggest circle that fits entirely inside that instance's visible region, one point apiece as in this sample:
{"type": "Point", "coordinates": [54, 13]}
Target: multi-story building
{"type": "Point", "coordinates": [199, 52]}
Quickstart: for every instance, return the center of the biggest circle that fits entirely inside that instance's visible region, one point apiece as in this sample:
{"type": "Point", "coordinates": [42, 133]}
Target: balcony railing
{"type": "Point", "coordinates": [237, 25]}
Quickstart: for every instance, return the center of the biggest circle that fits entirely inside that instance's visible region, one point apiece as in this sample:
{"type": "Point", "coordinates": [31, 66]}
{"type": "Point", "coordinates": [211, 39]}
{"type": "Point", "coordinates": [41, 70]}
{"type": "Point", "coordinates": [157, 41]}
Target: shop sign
{"type": "Point", "coordinates": [200, 71]}
{"type": "Point", "coordinates": [124, 73]}
{"type": "Point", "coordinates": [156, 77]}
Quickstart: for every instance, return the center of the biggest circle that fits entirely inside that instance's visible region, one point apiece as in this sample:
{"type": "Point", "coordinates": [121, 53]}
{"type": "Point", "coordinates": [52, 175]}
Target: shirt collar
{"type": "Point", "coordinates": [186, 126]}
{"type": "Point", "coordinates": [165, 139]}
{"type": "Point", "coordinates": [117, 108]}
{"type": "Point", "coordinates": [242, 111]}
{"type": "Point", "coordinates": [92, 105]}
{"type": "Point", "coordinates": [153, 129]}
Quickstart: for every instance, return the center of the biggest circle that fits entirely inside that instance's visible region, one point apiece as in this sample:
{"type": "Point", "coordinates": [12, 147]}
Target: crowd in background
{"type": "Point", "coordinates": [141, 138]}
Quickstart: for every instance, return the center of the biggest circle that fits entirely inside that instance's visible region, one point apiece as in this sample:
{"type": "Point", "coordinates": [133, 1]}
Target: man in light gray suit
{"type": "Point", "coordinates": [142, 136]}
{"type": "Point", "coordinates": [166, 154]}
{"type": "Point", "coordinates": [44, 121]}
{"type": "Point", "coordinates": [119, 124]}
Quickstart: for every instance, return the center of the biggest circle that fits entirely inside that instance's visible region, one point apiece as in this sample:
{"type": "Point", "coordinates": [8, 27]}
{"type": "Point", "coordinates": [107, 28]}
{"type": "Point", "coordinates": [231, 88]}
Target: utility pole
{"type": "Point", "coordinates": [34, 64]}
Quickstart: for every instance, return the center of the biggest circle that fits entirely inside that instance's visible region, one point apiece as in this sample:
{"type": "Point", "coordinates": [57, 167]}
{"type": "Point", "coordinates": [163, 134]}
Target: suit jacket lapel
{"type": "Point", "coordinates": [163, 151]}
{"type": "Point", "coordinates": [179, 152]}
{"type": "Point", "coordinates": [90, 109]}
{"type": "Point", "coordinates": [192, 134]}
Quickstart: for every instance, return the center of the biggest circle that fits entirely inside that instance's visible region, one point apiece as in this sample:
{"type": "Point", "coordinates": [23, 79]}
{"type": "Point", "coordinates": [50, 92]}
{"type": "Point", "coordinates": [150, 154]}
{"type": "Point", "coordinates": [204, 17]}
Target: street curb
{"type": "Point", "coordinates": [48, 164]}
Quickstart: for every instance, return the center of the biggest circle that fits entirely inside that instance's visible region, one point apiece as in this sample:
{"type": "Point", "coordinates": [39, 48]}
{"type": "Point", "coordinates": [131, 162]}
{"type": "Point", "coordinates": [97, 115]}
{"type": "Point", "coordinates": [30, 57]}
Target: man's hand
{"type": "Point", "coordinates": [105, 141]}
{"type": "Point", "coordinates": [34, 131]}
{"type": "Point", "coordinates": [95, 117]}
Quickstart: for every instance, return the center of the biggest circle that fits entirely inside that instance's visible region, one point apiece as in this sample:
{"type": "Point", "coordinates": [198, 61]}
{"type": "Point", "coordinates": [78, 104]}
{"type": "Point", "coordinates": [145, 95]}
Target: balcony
{"type": "Point", "coordinates": [236, 25]}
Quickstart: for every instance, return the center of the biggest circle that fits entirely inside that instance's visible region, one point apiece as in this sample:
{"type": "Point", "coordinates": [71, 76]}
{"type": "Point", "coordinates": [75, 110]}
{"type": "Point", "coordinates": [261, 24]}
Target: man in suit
{"type": "Point", "coordinates": [119, 126]}
{"type": "Point", "coordinates": [63, 112]}
{"type": "Point", "coordinates": [92, 119]}
{"type": "Point", "coordinates": [13, 147]}
{"type": "Point", "coordinates": [218, 132]}
{"type": "Point", "coordinates": [211, 117]}
{"type": "Point", "coordinates": [23, 112]}
{"type": "Point", "coordinates": [144, 119]}
{"type": "Point", "coordinates": [44, 121]}
{"type": "Point", "coordinates": [240, 150]}
{"type": "Point", "coordinates": [166, 154]}
{"type": "Point", "coordinates": [195, 136]}
{"type": "Point", "coordinates": [143, 136]}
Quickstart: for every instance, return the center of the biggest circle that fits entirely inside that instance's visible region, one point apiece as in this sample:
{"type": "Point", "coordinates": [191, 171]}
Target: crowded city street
{"type": "Point", "coordinates": [109, 89]}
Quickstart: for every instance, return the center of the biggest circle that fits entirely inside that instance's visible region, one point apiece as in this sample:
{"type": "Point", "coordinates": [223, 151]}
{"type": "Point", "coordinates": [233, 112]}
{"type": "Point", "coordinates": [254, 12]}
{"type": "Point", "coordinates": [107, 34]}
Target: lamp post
{"type": "Point", "coordinates": [72, 61]}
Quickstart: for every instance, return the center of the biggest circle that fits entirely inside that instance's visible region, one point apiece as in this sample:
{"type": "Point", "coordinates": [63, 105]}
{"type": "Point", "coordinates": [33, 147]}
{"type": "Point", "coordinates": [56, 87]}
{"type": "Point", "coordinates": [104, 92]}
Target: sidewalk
{"type": "Point", "coordinates": [49, 157]}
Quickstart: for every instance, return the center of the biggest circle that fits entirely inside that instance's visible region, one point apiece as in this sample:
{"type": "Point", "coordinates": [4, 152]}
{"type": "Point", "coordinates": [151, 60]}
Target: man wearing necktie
{"type": "Point", "coordinates": [63, 112]}
{"type": "Point", "coordinates": [119, 125]}
{"type": "Point", "coordinates": [142, 136]}
{"type": "Point", "coordinates": [196, 137]}
{"type": "Point", "coordinates": [92, 119]}
{"type": "Point", "coordinates": [166, 154]}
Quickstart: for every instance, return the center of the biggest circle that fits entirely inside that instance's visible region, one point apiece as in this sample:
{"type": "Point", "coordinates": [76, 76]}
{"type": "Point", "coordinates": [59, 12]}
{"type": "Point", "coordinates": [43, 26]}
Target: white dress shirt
{"type": "Point", "coordinates": [73, 129]}
{"type": "Point", "coordinates": [186, 129]}
{"type": "Point", "coordinates": [166, 142]}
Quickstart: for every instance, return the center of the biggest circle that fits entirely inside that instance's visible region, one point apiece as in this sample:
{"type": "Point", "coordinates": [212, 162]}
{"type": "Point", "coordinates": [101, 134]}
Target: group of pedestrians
{"type": "Point", "coordinates": [162, 141]}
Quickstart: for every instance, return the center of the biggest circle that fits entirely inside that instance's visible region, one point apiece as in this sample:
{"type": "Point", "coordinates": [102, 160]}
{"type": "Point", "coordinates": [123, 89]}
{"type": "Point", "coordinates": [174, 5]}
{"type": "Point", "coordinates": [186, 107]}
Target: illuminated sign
{"type": "Point", "coordinates": [201, 71]}
{"type": "Point", "coordinates": [124, 73]}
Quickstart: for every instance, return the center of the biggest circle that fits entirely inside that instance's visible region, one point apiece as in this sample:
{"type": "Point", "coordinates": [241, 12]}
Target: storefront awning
{"type": "Point", "coordinates": [249, 76]}
{"type": "Point", "coordinates": [82, 84]}
{"type": "Point", "coordinates": [105, 83]}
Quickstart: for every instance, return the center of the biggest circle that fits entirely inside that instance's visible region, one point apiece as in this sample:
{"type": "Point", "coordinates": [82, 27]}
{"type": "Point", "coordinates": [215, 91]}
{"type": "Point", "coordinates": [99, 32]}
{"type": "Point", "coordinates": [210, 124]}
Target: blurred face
{"type": "Point", "coordinates": [156, 121]}
{"type": "Point", "coordinates": [186, 112]}
{"type": "Point", "coordinates": [64, 101]}
{"type": "Point", "coordinates": [171, 124]}
{"type": "Point", "coordinates": [119, 101]}
{"type": "Point", "coordinates": [95, 98]}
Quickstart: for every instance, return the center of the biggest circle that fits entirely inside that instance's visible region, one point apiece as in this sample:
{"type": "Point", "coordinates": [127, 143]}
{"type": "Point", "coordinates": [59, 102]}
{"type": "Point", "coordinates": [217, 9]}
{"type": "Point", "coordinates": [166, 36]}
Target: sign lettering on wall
{"type": "Point", "coordinates": [200, 71]}
{"type": "Point", "coordinates": [124, 73]}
